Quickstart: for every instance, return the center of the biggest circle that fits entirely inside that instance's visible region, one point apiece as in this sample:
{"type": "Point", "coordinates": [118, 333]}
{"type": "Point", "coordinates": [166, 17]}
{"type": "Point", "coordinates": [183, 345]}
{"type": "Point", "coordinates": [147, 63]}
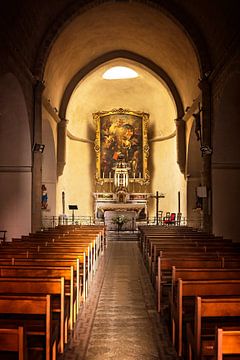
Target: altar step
{"type": "Point", "coordinates": [122, 236]}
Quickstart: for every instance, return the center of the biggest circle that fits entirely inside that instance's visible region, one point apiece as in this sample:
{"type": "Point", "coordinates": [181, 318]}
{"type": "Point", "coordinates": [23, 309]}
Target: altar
{"type": "Point", "coordinates": [135, 205]}
{"type": "Point", "coordinates": [128, 217]}
{"type": "Point", "coordinates": [122, 177]}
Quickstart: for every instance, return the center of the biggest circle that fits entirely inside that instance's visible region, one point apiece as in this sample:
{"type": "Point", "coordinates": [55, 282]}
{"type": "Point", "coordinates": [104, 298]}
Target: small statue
{"type": "Point", "coordinates": [44, 197]}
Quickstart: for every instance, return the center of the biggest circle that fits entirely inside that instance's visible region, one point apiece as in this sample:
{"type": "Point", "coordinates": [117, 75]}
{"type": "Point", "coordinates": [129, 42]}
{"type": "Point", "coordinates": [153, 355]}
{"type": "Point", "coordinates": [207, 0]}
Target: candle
{"type": "Point", "coordinates": [139, 175]}
{"type": "Point", "coordinates": [103, 175]}
{"type": "Point", "coordinates": [109, 174]}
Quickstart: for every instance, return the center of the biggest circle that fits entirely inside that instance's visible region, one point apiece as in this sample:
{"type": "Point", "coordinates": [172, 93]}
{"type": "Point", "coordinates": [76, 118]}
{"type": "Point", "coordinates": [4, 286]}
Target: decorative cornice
{"type": "Point", "coordinates": [76, 138]}
{"type": "Point", "coordinates": [227, 166]}
{"type": "Point", "coordinates": [15, 169]}
{"type": "Point", "coordinates": [162, 138]}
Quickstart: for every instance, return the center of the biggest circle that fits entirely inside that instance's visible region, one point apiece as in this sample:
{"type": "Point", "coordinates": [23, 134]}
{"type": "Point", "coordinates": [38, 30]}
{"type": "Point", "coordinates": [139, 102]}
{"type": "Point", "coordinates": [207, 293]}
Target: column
{"type": "Point", "coordinates": [37, 157]}
{"type": "Point", "coordinates": [204, 85]}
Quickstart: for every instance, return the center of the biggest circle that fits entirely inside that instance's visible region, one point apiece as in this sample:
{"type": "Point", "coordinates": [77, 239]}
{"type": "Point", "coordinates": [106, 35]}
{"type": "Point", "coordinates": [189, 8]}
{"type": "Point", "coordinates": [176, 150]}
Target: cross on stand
{"type": "Point", "coordinates": [157, 197]}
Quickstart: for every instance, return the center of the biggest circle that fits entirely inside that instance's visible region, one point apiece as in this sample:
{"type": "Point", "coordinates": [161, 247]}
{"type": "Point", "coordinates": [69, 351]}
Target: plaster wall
{"type": "Point", "coordinates": [166, 177]}
{"type": "Point", "coordinates": [15, 159]}
{"type": "Point", "coordinates": [15, 215]}
{"type": "Point", "coordinates": [78, 180]}
{"type": "Point", "coordinates": [226, 153]}
{"type": "Point", "coordinates": [226, 200]}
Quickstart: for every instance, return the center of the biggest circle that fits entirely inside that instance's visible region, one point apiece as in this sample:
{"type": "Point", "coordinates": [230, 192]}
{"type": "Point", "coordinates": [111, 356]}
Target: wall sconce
{"type": "Point", "coordinates": [38, 148]}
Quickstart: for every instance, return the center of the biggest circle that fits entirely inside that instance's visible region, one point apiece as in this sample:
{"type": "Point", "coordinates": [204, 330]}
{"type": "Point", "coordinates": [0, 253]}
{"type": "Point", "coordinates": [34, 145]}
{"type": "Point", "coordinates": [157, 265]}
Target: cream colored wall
{"type": "Point", "coordinates": [166, 177]}
{"type": "Point", "coordinates": [78, 179]}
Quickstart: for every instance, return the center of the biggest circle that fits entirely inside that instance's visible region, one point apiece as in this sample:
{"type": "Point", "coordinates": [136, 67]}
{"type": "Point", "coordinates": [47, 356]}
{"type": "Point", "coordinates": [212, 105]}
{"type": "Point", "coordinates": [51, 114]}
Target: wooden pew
{"type": "Point", "coordinates": [165, 267]}
{"type": "Point", "coordinates": [79, 268]}
{"type": "Point", "coordinates": [201, 274]}
{"type": "Point", "coordinates": [79, 264]}
{"type": "Point", "coordinates": [211, 249]}
{"type": "Point", "coordinates": [55, 254]}
{"type": "Point", "coordinates": [33, 249]}
{"type": "Point", "coordinates": [26, 310]}
{"type": "Point", "coordinates": [33, 271]}
{"type": "Point", "coordinates": [13, 340]}
{"type": "Point", "coordinates": [27, 286]}
{"type": "Point", "coordinates": [183, 302]}
{"type": "Point", "coordinates": [209, 314]}
{"type": "Point", "coordinates": [228, 343]}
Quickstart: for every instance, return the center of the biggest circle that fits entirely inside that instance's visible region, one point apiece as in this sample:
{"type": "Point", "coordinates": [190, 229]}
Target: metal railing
{"type": "Point", "coordinates": [53, 221]}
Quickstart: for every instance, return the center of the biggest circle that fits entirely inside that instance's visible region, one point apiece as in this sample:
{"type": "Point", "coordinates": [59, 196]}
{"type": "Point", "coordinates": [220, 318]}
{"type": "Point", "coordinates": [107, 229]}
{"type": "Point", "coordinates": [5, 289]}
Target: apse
{"type": "Point", "coordinates": [146, 93]}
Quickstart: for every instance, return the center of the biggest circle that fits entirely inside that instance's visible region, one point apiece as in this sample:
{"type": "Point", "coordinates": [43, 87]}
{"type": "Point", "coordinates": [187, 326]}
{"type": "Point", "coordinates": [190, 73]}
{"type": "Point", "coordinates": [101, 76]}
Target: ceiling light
{"type": "Point", "coordinates": [120, 72]}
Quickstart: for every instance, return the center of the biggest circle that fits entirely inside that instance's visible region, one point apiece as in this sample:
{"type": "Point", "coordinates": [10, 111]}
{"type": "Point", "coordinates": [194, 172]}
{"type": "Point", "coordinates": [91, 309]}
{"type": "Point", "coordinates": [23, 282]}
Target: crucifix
{"type": "Point", "coordinates": [157, 197]}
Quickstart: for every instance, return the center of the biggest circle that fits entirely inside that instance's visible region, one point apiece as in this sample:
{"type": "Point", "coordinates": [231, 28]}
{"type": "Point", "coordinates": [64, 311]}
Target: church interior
{"type": "Point", "coordinates": [119, 152]}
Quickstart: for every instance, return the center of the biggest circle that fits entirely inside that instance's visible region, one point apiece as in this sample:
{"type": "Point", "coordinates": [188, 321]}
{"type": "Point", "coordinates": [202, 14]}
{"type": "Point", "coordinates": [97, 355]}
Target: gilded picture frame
{"type": "Point", "coordinates": [121, 133]}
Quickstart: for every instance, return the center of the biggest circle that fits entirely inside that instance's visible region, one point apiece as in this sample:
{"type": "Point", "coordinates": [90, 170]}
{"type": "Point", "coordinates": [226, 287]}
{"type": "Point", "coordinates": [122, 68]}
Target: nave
{"type": "Point", "coordinates": [119, 320]}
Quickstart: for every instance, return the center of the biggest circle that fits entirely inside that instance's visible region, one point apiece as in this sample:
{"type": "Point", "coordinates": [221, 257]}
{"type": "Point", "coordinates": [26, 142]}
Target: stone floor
{"type": "Point", "coordinates": [119, 320]}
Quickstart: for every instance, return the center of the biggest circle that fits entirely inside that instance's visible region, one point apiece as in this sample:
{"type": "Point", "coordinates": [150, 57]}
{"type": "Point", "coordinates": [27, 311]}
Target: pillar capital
{"type": "Point", "coordinates": [63, 123]}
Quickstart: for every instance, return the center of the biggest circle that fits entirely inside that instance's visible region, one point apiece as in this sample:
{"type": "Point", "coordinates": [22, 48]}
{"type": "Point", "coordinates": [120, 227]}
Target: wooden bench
{"type": "Point", "coordinates": [165, 267]}
{"type": "Point", "coordinates": [33, 249]}
{"type": "Point", "coordinates": [183, 303]}
{"type": "Point", "coordinates": [228, 343]}
{"type": "Point", "coordinates": [27, 286]}
{"type": "Point", "coordinates": [209, 314]}
{"type": "Point", "coordinates": [33, 271]}
{"type": "Point", "coordinates": [26, 310]}
{"type": "Point", "coordinates": [13, 340]}
{"type": "Point", "coordinates": [201, 274]}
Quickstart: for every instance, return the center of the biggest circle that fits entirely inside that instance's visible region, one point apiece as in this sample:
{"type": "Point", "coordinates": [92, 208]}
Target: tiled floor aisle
{"type": "Point", "coordinates": [119, 320]}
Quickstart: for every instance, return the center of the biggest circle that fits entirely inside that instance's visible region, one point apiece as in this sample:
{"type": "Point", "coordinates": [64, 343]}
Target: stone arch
{"type": "Point", "coordinates": [15, 159]}
{"type": "Point", "coordinates": [174, 11]}
{"type": "Point", "coordinates": [125, 55]}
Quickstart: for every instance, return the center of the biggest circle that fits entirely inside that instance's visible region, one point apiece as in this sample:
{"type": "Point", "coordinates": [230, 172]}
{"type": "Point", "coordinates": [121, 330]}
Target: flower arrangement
{"type": "Point", "coordinates": [119, 220]}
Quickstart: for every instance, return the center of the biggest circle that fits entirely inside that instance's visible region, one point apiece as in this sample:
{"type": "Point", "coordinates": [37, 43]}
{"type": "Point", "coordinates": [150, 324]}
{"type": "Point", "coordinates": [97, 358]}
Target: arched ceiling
{"type": "Point", "coordinates": [146, 93]}
{"type": "Point", "coordinates": [133, 27]}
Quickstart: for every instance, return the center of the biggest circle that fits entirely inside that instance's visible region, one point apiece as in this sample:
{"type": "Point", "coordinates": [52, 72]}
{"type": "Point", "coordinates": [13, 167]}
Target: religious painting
{"type": "Point", "coordinates": [121, 135]}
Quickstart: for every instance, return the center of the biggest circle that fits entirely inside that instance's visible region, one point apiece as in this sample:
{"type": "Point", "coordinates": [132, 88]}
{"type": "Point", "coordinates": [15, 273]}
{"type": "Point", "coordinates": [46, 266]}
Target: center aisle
{"type": "Point", "coordinates": [119, 320]}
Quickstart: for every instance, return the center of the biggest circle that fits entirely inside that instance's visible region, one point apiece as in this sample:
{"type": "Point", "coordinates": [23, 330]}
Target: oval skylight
{"type": "Point", "coordinates": [120, 72]}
